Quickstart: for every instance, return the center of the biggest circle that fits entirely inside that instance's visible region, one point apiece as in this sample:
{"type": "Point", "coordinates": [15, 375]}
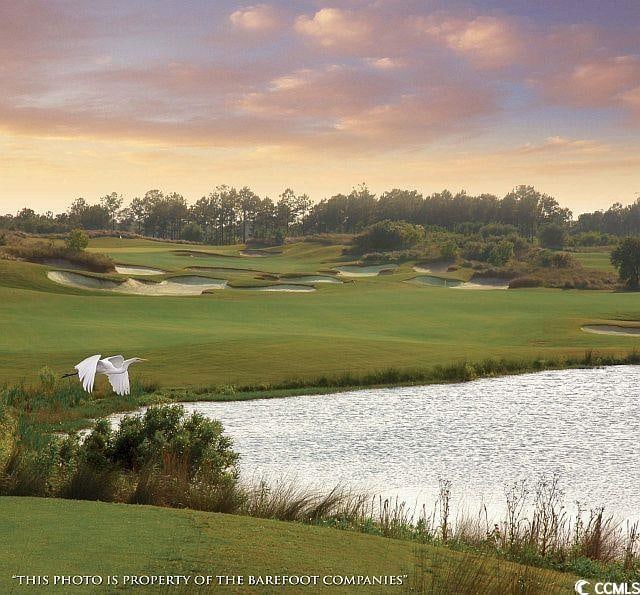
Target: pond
{"type": "Point", "coordinates": [583, 425]}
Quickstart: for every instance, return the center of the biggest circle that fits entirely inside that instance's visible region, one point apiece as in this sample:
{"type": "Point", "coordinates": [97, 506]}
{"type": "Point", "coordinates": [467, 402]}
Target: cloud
{"type": "Point", "coordinates": [486, 41]}
{"type": "Point", "coordinates": [419, 119]}
{"type": "Point", "coordinates": [337, 28]}
{"type": "Point", "coordinates": [601, 82]}
{"type": "Point", "coordinates": [331, 92]}
{"type": "Point", "coordinates": [631, 100]}
{"type": "Point", "coordinates": [554, 145]}
{"type": "Point", "coordinates": [258, 18]}
{"type": "Point", "coordinates": [384, 63]}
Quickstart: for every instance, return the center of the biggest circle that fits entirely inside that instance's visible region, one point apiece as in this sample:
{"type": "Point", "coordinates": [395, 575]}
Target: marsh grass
{"type": "Point", "coordinates": [477, 574]}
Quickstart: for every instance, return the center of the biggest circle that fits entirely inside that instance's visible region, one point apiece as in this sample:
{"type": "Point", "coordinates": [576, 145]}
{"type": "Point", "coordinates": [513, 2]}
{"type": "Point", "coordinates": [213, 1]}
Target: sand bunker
{"type": "Point", "coordinates": [364, 271]}
{"type": "Point", "coordinates": [132, 269]}
{"type": "Point", "coordinates": [314, 279]}
{"type": "Point", "coordinates": [484, 283]}
{"type": "Point", "coordinates": [289, 287]}
{"type": "Point", "coordinates": [436, 281]}
{"type": "Point", "coordinates": [223, 270]}
{"type": "Point", "coordinates": [432, 268]}
{"type": "Point", "coordinates": [612, 329]}
{"type": "Point", "coordinates": [185, 285]}
{"type": "Point", "coordinates": [256, 253]}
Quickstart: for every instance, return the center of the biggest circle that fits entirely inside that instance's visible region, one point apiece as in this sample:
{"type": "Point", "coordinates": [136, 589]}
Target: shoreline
{"type": "Point", "coordinates": [459, 372]}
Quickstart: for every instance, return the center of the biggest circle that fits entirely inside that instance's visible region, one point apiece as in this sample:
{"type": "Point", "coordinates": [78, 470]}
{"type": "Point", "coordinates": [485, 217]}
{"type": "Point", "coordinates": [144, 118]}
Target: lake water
{"type": "Point", "coordinates": [481, 435]}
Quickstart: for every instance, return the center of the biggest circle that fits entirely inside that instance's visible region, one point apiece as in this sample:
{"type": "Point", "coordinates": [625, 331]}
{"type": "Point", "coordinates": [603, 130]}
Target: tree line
{"type": "Point", "coordinates": [228, 215]}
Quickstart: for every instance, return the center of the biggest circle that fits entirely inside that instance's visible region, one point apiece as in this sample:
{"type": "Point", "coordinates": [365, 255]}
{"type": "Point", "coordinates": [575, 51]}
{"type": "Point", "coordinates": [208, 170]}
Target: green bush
{"type": "Point", "coordinates": [192, 232]}
{"type": "Point", "coordinates": [389, 235]}
{"type": "Point", "coordinates": [77, 241]}
{"type": "Point", "coordinates": [530, 281]}
{"type": "Point", "coordinates": [556, 260]}
{"type": "Point", "coordinates": [552, 236]}
{"type": "Point", "coordinates": [501, 253]}
{"type": "Point", "coordinates": [626, 258]}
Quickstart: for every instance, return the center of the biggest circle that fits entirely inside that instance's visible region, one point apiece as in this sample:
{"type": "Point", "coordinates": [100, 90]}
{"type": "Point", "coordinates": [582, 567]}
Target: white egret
{"type": "Point", "coordinates": [115, 368]}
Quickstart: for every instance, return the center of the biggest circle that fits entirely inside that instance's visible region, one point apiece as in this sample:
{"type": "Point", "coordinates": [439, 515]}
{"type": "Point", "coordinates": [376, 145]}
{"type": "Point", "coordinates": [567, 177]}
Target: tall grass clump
{"type": "Point", "coordinates": [43, 252]}
{"type": "Point", "coordinates": [472, 573]}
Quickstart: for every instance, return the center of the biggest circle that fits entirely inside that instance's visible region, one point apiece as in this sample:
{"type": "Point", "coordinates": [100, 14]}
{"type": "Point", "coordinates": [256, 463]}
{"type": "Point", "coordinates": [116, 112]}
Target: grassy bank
{"type": "Point", "coordinates": [111, 539]}
{"type": "Point", "coordinates": [63, 406]}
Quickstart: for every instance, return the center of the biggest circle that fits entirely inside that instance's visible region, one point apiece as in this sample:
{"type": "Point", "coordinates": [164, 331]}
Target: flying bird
{"type": "Point", "coordinates": [115, 368]}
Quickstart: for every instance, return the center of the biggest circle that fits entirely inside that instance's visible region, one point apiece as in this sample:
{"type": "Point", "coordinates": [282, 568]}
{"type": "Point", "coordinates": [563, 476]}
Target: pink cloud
{"type": "Point", "coordinates": [420, 118]}
{"type": "Point", "coordinates": [334, 91]}
{"type": "Point", "coordinates": [486, 41]}
{"type": "Point", "coordinates": [258, 18]}
{"type": "Point", "coordinates": [600, 82]}
{"type": "Point", "coordinates": [337, 28]}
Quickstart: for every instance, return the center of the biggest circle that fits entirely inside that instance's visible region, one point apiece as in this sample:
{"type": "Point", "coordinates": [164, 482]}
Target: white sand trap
{"type": "Point", "coordinates": [132, 269]}
{"type": "Point", "coordinates": [612, 329]}
{"type": "Point", "coordinates": [432, 281]}
{"type": "Point", "coordinates": [433, 267]}
{"type": "Point", "coordinates": [364, 271]}
{"type": "Point", "coordinates": [290, 287]}
{"type": "Point", "coordinates": [484, 284]}
{"type": "Point", "coordinates": [314, 279]}
{"type": "Point", "coordinates": [257, 253]}
{"type": "Point", "coordinates": [185, 285]}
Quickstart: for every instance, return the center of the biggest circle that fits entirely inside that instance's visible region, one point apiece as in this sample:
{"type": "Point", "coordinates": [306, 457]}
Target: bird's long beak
{"type": "Point", "coordinates": [142, 359]}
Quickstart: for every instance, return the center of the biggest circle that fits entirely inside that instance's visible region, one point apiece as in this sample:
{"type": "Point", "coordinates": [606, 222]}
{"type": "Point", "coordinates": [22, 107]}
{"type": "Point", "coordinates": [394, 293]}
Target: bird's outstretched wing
{"type": "Point", "coordinates": [87, 371]}
{"type": "Point", "coordinates": [120, 383]}
{"type": "Point", "coordinates": [116, 360]}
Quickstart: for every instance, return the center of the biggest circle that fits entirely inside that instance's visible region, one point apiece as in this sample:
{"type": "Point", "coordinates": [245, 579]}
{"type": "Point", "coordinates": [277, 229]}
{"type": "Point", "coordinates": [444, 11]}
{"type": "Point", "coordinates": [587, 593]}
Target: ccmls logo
{"type": "Point", "coordinates": [607, 588]}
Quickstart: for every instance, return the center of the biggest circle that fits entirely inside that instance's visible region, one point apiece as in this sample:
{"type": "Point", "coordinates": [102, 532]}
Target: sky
{"type": "Point", "coordinates": [183, 95]}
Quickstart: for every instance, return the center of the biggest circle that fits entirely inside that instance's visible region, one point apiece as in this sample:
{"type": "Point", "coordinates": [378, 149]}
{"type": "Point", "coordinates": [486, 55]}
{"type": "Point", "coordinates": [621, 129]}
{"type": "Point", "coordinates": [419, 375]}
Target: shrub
{"type": "Point", "coordinates": [192, 232]}
{"type": "Point", "coordinates": [552, 236]}
{"type": "Point", "coordinates": [42, 252]}
{"type": "Point", "coordinates": [626, 258]}
{"type": "Point", "coordinates": [77, 241]}
{"type": "Point", "coordinates": [143, 440]}
{"type": "Point", "coordinates": [498, 229]}
{"type": "Point", "coordinates": [519, 282]}
{"type": "Point", "coordinates": [389, 235]}
{"type": "Point", "coordinates": [501, 253]}
{"type": "Point", "coordinates": [557, 260]}
{"type": "Point", "coordinates": [449, 250]}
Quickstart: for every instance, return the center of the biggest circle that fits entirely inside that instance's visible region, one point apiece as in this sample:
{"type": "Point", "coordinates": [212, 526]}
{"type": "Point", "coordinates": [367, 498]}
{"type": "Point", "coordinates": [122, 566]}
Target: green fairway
{"type": "Point", "coordinates": [238, 337]}
{"type": "Point", "coordinates": [595, 260]}
{"type": "Point", "coordinates": [61, 537]}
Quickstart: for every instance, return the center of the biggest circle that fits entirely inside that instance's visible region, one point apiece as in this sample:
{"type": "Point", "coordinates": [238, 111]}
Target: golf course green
{"type": "Point", "coordinates": [227, 336]}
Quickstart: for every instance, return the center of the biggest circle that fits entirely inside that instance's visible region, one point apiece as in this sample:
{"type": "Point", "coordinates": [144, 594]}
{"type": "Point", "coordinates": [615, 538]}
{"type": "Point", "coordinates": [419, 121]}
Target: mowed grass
{"type": "Point", "coordinates": [595, 260]}
{"type": "Point", "coordinates": [241, 337]}
{"type": "Point", "coordinates": [61, 537]}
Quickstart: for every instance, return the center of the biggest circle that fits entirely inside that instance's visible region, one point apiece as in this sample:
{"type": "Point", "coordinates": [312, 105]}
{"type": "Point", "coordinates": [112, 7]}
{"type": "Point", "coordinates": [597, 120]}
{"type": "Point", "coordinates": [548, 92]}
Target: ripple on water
{"type": "Point", "coordinates": [481, 435]}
